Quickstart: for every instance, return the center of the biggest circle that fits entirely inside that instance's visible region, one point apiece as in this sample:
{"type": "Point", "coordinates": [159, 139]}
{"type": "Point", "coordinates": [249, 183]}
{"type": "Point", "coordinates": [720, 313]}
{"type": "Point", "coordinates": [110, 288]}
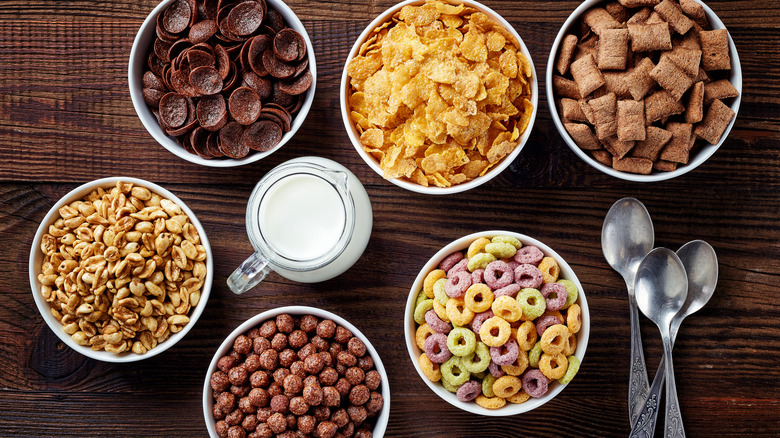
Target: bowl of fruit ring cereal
{"type": "Point", "coordinates": [496, 323]}
{"type": "Point", "coordinates": [446, 123]}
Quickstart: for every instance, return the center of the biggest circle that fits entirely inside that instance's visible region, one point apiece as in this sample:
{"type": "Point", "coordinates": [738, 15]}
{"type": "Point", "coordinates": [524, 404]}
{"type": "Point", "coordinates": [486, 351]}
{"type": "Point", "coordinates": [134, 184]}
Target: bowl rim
{"type": "Point", "coordinates": [137, 65]}
{"type": "Point", "coordinates": [36, 257]}
{"type": "Point", "coordinates": [408, 185]}
{"type": "Point", "coordinates": [227, 343]}
{"type": "Point", "coordinates": [461, 244]}
{"type": "Point", "coordinates": [704, 153]}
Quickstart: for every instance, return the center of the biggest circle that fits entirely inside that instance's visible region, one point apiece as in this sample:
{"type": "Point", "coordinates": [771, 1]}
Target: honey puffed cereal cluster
{"type": "Point", "coordinates": [122, 269]}
{"type": "Point", "coordinates": [497, 324]}
{"type": "Point", "coordinates": [439, 94]}
{"type": "Point", "coordinates": [295, 376]}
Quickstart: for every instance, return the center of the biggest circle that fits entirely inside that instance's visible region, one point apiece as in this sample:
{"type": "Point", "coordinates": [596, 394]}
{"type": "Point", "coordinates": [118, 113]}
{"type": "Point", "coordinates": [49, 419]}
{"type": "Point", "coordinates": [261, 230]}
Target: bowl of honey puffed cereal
{"type": "Point", "coordinates": [296, 371]}
{"type": "Point", "coordinates": [496, 323]}
{"type": "Point", "coordinates": [120, 269]}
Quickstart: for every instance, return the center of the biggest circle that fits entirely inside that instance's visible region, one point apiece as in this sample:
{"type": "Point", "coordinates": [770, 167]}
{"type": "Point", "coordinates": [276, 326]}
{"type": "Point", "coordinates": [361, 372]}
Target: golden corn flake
{"type": "Point", "coordinates": [439, 94]}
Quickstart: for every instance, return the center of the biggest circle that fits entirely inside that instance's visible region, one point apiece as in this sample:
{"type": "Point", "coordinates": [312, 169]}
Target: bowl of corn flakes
{"type": "Point", "coordinates": [439, 97]}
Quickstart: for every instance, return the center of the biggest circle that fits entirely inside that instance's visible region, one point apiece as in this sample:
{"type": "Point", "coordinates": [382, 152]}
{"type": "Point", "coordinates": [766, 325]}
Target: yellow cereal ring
{"type": "Point", "coordinates": [491, 402]}
{"type": "Point", "coordinates": [532, 303]}
{"type": "Point", "coordinates": [553, 366]}
{"type": "Point", "coordinates": [571, 344]}
{"type": "Point", "coordinates": [533, 355]}
{"type": "Point", "coordinates": [506, 386]}
{"type": "Point", "coordinates": [478, 298]}
{"type": "Point", "coordinates": [526, 335]}
{"type": "Point", "coordinates": [430, 279]}
{"type": "Point", "coordinates": [501, 250]}
{"type": "Point", "coordinates": [458, 313]}
{"type": "Point", "coordinates": [420, 309]}
{"type": "Point", "coordinates": [514, 241]}
{"type": "Point", "coordinates": [574, 318]}
{"type": "Point", "coordinates": [487, 385]}
{"type": "Point", "coordinates": [519, 366]}
{"type": "Point", "coordinates": [420, 298]}
{"type": "Point", "coordinates": [430, 369]}
{"type": "Point", "coordinates": [441, 311]}
{"type": "Point", "coordinates": [495, 331]}
{"type": "Point", "coordinates": [423, 331]}
{"type": "Point", "coordinates": [438, 291]}
{"type": "Point", "coordinates": [507, 308]}
{"type": "Point", "coordinates": [520, 397]}
{"type": "Point", "coordinates": [480, 261]}
{"type": "Point", "coordinates": [477, 246]}
{"type": "Point", "coordinates": [571, 371]}
{"type": "Point", "coordinates": [555, 339]}
{"type": "Point", "coordinates": [449, 387]}
{"type": "Point", "coordinates": [550, 270]}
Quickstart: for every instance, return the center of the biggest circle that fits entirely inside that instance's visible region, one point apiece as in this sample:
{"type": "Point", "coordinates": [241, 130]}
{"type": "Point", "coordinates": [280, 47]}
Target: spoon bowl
{"type": "Point", "coordinates": [661, 287]}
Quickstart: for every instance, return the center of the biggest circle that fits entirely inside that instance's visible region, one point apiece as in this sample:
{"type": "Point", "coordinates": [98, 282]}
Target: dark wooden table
{"type": "Point", "coordinates": [66, 118]}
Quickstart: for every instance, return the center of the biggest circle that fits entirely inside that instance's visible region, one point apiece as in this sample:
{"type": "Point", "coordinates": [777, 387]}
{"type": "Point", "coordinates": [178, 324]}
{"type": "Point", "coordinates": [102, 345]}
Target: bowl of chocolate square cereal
{"type": "Point", "coordinates": [644, 90]}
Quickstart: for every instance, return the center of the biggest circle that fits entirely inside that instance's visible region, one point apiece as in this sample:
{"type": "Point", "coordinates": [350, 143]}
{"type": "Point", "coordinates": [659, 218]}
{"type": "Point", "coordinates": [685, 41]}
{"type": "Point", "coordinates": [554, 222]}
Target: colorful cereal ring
{"type": "Point", "coordinates": [550, 270]}
{"type": "Point", "coordinates": [544, 322]}
{"type": "Point", "coordinates": [459, 267]}
{"type": "Point", "coordinates": [571, 344]}
{"type": "Point", "coordinates": [458, 313]}
{"type": "Point", "coordinates": [480, 318]}
{"type": "Point", "coordinates": [553, 366]}
{"type": "Point", "coordinates": [529, 254]}
{"type": "Point", "coordinates": [422, 334]}
{"type": "Point", "coordinates": [477, 246]}
{"type": "Point", "coordinates": [509, 291]}
{"type": "Point", "coordinates": [436, 323]}
{"type": "Point", "coordinates": [571, 292]}
{"type": "Point", "coordinates": [480, 261]}
{"type": "Point", "coordinates": [449, 387]}
{"type": "Point", "coordinates": [450, 261]}
{"type": "Point", "coordinates": [439, 294]}
{"type": "Point", "coordinates": [514, 241]}
{"type": "Point", "coordinates": [490, 403]}
{"type": "Point", "coordinates": [574, 318]}
{"type": "Point", "coordinates": [555, 339]}
{"type": "Point", "coordinates": [532, 303]}
{"type": "Point", "coordinates": [505, 354]}
{"type": "Point", "coordinates": [528, 276]}
{"type": "Point", "coordinates": [496, 370]}
{"type": "Point", "coordinates": [494, 332]}
{"type": "Point", "coordinates": [517, 367]}
{"type": "Point", "coordinates": [469, 391]}
{"type": "Point", "coordinates": [441, 311]}
{"type": "Point", "coordinates": [436, 348]}
{"type": "Point", "coordinates": [461, 341]}
{"type": "Point", "coordinates": [430, 369]}
{"type": "Point", "coordinates": [478, 298]}
{"type": "Point", "coordinates": [478, 276]}
{"type": "Point", "coordinates": [520, 397]}
{"type": "Point", "coordinates": [534, 383]}
{"type": "Point", "coordinates": [480, 352]}
{"type": "Point", "coordinates": [506, 386]}
{"type": "Point", "coordinates": [453, 372]}
{"type": "Point", "coordinates": [420, 309]}
{"type": "Point", "coordinates": [554, 295]}
{"type": "Point", "coordinates": [498, 275]}
{"type": "Point", "coordinates": [507, 308]}
{"type": "Point", "coordinates": [457, 284]}
{"type": "Point", "coordinates": [526, 335]}
{"type": "Point", "coordinates": [534, 354]}
{"type": "Point", "coordinates": [487, 385]}
{"type": "Point", "coordinates": [430, 279]}
{"type": "Point", "coordinates": [420, 298]}
{"type": "Point", "coordinates": [571, 371]}
{"type": "Point", "coordinates": [501, 250]}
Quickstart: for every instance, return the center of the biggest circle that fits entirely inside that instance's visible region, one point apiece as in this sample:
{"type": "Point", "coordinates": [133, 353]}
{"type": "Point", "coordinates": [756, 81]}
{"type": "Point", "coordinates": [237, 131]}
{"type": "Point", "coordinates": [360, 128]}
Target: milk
{"type": "Point", "coordinates": [302, 217]}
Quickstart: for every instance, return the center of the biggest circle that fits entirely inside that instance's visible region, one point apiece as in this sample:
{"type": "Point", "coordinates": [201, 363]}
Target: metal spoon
{"type": "Point", "coordinates": [626, 237]}
{"type": "Point", "coordinates": [661, 288]}
{"type": "Point", "coordinates": [701, 267]}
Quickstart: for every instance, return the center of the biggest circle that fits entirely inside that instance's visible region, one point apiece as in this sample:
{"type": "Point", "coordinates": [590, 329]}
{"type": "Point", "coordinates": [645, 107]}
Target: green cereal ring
{"type": "Point", "coordinates": [421, 308]}
{"type": "Point", "coordinates": [574, 366]}
{"type": "Point", "coordinates": [531, 301]}
{"type": "Point", "coordinates": [480, 261]}
{"type": "Point", "coordinates": [420, 297]}
{"type": "Point", "coordinates": [453, 371]}
{"type": "Point", "coordinates": [501, 250]}
{"type": "Point", "coordinates": [461, 341]}
{"type": "Point", "coordinates": [508, 239]}
{"type": "Point", "coordinates": [438, 291]}
{"type": "Point", "coordinates": [482, 352]}
{"type": "Point", "coordinates": [487, 385]}
{"type": "Point", "coordinates": [571, 292]}
{"type": "Point", "coordinates": [534, 353]}
{"type": "Point", "coordinates": [449, 387]}
{"type": "Point", "coordinates": [480, 375]}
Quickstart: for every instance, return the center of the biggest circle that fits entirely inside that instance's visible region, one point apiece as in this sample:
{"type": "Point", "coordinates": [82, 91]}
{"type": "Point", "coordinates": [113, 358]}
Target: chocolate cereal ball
{"type": "Point", "coordinates": [297, 368]}
{"type": "Point", "coordinates": [312, 395]}
{"type": "Point", "coordinates": [226, 402]}
{"type": "Point", "coordinates": [373, 379]}
{"type": "Point", "coordinates": [357, 414]}
{"type": "Point", "coordinates": [320, 343]}
{"type": "Point", "coordinates": [354, 375]}
{"type": "Point", "coordinates": [234, 418]}
{"type": "Point", "coordinates": [297, 339]}
{"type": "Point", "coordinates": [307, 423]}
{"type": "Point", "coordinates": [326, 329]}
{"type": "Point", "coordinates": [260, 345]}
{"type": "Point", "coordinates": [250, 423]}
{"type": "Point", "coordinates": [263, 430]}
{"type": "Point", "coordinates": [277, 422]}
{"type": "Point", "coordinates": [259, 397]}
{"type": "Point", "coordinates": [287, 357]}
{"type": "Point", "coordinates": [309, 323]}
{"type": "Point", "coordinates": [347, 359]}
{"type": "Point", "coordinates": [238, 375]}
{"type": "Point", "coordinates": [359, 394]}
{"type": "Point", "coordinates": [330, 396]}
{"type": "Point", "coordinates": [326, 429]}
{"type": "Point", "coordinates": [219, 381]}
{"type": "Point", "coordinates": [366, 363]}
{"type": "Point", "coordinates": [280, 403]}
{"type": "Point", "coordinates": [356, 347]}
{"type": "Point", "coordinates": [263, 414]}
{"type": "Point", "coordinates": [225, 363]}
{"type": "Point", "coordinates": [236, 432]}
{"type": "Point", "coordinates": [279, 342]}
{"type": "Point", "coordinates": [329, 376]}
{"type": "Point", "coordinates": [252, 362]}
{"type": "Point", "coordinates": [259, 379]}
{"type": "Point", "coordinates": [340, 417]}
{"type": "Point", "coordinates": [292, 385]}
{"type": "Point", "coordinates": [342, 335]}
{"type": "Point", "coordinates": [298, 406]}
{"type": "Point", "coordinates": [375, 403]}
{"type": "Point", "coordinates": [363, 433]}
{"type": "Point", "coordinates": [242, 344]}
{"type": "Point", "coordinates": [313, 364]}
{"type": "Point", "coordinates": [269, 359]}
{"type": "Point", "coordinates": [343, 387]}
{"type": "Point", "coordinates": [285, 323]}
{"type": "Point", "coordinates": [222, 429]}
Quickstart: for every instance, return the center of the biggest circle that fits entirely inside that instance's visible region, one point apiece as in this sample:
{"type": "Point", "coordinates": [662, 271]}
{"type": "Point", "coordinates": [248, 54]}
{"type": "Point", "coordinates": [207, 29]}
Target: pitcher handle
{"type": "Point", "coordinates": [251, 272]}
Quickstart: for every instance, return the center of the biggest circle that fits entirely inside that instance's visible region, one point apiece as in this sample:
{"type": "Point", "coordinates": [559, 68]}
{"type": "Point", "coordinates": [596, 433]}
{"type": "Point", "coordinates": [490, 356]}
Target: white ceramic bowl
{"type": "Point", "coordinates": [138, 59]}
{"type": "Point", "coordinates": [36, 259]}
{"type": "Point", "coordinates": [408, 185]}
{"type": "Point", "coordinates": [227, 344]}
{"type": "Point", "coordinates": [696, 159]}
{"type": "Point", "coordinates": [410, 327]}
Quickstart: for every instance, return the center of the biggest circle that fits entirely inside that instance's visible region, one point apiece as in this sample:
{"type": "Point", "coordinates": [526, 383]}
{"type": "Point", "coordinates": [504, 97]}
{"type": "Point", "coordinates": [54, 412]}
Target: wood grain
{"type": "Point", "coordinates": [66, 118]}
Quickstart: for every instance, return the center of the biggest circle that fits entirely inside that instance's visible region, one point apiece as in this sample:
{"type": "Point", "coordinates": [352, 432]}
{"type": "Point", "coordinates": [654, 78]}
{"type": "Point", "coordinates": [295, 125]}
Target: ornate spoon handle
{"type": "Point", "coordinates": [674, 425]}
{"type": "Point", "coordinates": [645, 423]}
{"type": "Point", "coordinates": [638, 387]}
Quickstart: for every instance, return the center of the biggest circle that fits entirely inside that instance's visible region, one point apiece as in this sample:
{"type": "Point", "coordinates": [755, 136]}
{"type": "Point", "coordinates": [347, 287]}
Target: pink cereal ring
{"type": "Point", "coordinates": [529, 255]}
{"type": "Point", "coordinates": [435, 323]}
{"type": "Point", "coordinates": [505, 354]}
{"type": "Point", "coordinates": [436, 348]}
{"type": "Point", "coordinates": [510, 290]}
{"type": "Point", "coordinates": [462, 265]}
{"type": "Point", "coordinates": [534, 383]}
{"type": "Point", "coordinates": [544, 322]}
{"type": "Point", "coordinates": [457, 284]}
{"type": "Point", "coordinates": [477, 276]}
{"type": "Point", "coordinates": [557, 289]}
{"type": "Point", "coordinates": [479, 318]}
{"type": "Point", "coordinates": [528, 276]}
{"type": "Point", "coordinates": [469, 391]}
{"type": "Point", "coordinates": [495, 370]}
{"type": "Point", "coordinates": [450, 261]}
{"type": "Point", "coordinates": [492, 277]}
{"type": "Point", "coordinates": [512, 264]}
